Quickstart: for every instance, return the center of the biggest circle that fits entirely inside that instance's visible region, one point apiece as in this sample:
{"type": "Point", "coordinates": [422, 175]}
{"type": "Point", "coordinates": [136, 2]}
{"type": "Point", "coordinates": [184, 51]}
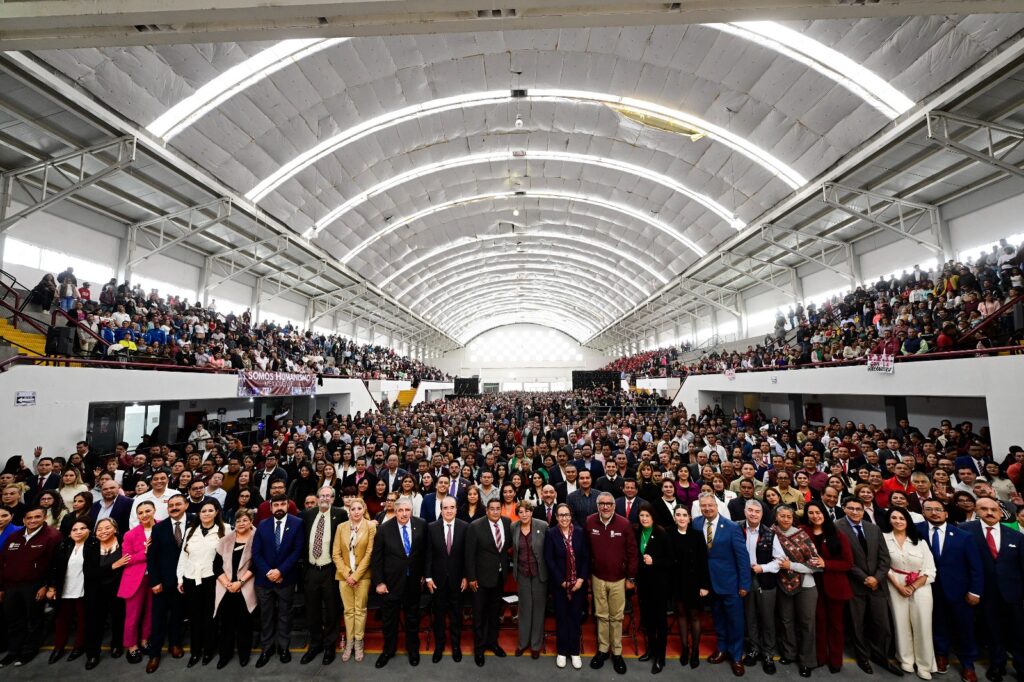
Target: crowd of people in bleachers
{"type": "Point", "coordinates": [916, 313]}
{"type": "Point", "coordinates": [125, 322]}
{"type": "Point", "coordinates": [774, 527]}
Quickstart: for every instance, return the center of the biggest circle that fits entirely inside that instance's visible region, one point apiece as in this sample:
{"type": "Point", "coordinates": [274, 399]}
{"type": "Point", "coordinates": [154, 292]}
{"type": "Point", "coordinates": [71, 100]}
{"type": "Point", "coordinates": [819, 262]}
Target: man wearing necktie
{"type": "Point", "coordinates": [957, 591]}
{"type": "Point", "coordinates": [276, 553]}
{"type": "Point", "coordinates": [548, 502]}
{"type": "Point", "coordinates": [446, 576]}
{"type": "Point", "coordinates": [162, 565]}
{"type": "Point", "coordinates": [1002, 559]}
{"type": "Point", "coordinates": [488, 543]}
{"type": "Point", "coordinates": [319, 582]}
{"type": "Point", "coordinates": [869, 608]}
{"type": "Point", "coordinates": [397, 564]}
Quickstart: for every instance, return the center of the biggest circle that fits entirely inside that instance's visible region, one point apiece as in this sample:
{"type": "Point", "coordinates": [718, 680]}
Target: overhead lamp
{"type": "Point", "coordinates": [519, 122]}
{"type": "Point", "coordinates": [515, 212]}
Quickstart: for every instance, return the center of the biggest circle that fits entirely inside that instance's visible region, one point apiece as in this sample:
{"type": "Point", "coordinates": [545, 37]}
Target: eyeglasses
{"type": "Point", "coordinates": [605, 504]}
{"type": "Point", "coordinates": [563, 515]}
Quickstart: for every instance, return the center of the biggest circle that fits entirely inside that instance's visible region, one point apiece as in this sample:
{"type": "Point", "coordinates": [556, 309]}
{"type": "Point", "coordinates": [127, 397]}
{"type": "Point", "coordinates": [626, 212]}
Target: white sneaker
{"type": "Point", "coordinates": [560, 661]}
{"type": "Point", "coordinates": [577, 662]}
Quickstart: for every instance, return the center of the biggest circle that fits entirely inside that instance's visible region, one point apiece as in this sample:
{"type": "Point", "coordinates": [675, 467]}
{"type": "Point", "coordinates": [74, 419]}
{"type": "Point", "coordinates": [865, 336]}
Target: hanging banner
{"type": "Point", "coordinates": [256, 383]}
{"type": "Point", "coordinates": [884, 364]}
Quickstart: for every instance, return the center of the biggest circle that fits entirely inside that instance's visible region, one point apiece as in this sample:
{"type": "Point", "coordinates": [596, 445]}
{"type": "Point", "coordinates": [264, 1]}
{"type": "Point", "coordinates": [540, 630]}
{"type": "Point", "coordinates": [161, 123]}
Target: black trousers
{"type": "Point", "coordinates": [235, 625]}
{"type": "Point", "coordinates": [199, 598]}
{"type": "Point", "coordinates": [168, 617]}
{"type": "Point", "coordinates": [24, 619]}
{"type": "Point", "coordinates": [275, 615]}
{"type": "Point", "coordinates": [323, 606]}
{"type": "Point", "coordinates": [1002, 621]}
{"type": "Point", "coordinates": [447, 606]}
{"type": "Point", "coordinates": [101, 605]}
{"type": "Point", "coordinates": [408, 605]}
{"type": "Point", "coordinates": [487, 608]}
{"type": "Point", "coordinates": [654, 617]}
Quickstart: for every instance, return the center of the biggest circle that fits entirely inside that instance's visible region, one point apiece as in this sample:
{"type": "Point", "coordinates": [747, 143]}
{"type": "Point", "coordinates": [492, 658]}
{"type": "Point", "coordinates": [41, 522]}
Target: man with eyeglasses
{"type": "Point", "coordinates": [613, 567]}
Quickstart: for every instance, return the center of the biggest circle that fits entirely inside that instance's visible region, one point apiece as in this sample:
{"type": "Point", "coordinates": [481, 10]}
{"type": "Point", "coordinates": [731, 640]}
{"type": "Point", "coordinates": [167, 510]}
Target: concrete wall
{"type": "Point", "coordinates": [63, 395]}
{"type": "Point", "coordinates": [987, 392]}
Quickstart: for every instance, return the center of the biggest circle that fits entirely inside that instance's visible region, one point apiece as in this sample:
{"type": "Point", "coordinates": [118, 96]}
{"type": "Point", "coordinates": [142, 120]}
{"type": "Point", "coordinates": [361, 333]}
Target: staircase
{"type": "Point", "coordinates": [22, 342]}
{"type": "Point", "coordinates": [406, 396]}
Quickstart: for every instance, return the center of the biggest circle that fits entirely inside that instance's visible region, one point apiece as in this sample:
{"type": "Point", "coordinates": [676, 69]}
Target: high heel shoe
{"type": "Point", "coordinates": [645, 657]}
{"type": "Point", "coordinates": [56, 655]}
{"type": "Point", "coordinates": [193, 660]}
{"type": "Point", "coordinates": [695, 656]}
{"type": "Point", "coordinates": [657, 666]}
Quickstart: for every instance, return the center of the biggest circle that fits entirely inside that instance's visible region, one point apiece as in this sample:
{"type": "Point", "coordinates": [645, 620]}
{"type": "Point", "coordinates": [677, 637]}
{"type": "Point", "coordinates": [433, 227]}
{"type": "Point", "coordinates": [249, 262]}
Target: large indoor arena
{"type": "Point", "coordinates": [395, 339]}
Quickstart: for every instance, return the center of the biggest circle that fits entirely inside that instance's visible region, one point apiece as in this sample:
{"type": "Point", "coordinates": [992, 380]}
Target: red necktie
{"type": "Point", "coordinates": [991, 543]}
{"type": "Point", "coordinates": [629, 505]}
{"type": "Point", "coordinates": [497, 536]}
{"type": "Point", "coordinates": [41, 479]}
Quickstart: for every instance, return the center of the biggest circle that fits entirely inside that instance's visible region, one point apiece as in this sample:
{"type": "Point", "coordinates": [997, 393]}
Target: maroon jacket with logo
{"type": "Point", "coordinates": [28, 563]}
{"type": "Point", "coordinates": [613, 552]}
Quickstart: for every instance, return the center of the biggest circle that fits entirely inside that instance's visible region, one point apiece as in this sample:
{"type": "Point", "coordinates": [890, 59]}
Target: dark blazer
{"type": "Point", "coordinates": [875, 563]}
{"type": "Point", "coordinates": [163, 552]}
{"type": "Point", "coordinates": [689, 556]}
{"type": "Point", "coordinates": [308, 516]}
{"type": "Point", "coordinates": [458, 488]}
{"type": "Point", "coordinates": [428, 511]}
{"type": "Point", "coordinates": [1004, 576]}
{"type": "Point", "coordinates": [120, 513]}
{"type": "Point", "coordinates": [446, 570]}
{"type": "Point", "coordinates": [278, 474]}
{"type": "Point", "coordinates": [736, 507]}
{"type": "Point", "coordinates": [958, 569]}
{"type": "Point", "coordinates": [266, 555]}
{"type": "Point", "coordinates": [634, 511]}
{"type": "Point", "coordinates": [728, 560]}
{"type": "Point", "coordinates": [390, 565]}
{"type": "Point", "coordinates": [59, 565]}
{"type": "Point", "coordinates": [596, 468]}
{"type": "Point", "coordinates": [662, 516]}
{"type": "Point", "coordinates": [485, 562]}
{"type": "Point", "coordinates": [538, 531]}
{"type": "Point", "coordinates": [51, 482]}
{"type": "Point", "coordinates": [968, 461]}
{"type": "Point", "coordinates": [555, 555]}
{"type": "Point", "coordinates": [350, 480]}
{"type": "Point", "coordinates": [654, 579]}
{"type": "Point", "coordinates": [392, 485]}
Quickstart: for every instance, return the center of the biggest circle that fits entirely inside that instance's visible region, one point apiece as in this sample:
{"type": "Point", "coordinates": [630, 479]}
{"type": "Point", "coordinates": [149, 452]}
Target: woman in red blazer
{"type": "Point", "coordinates": [833, 584]}
{"type": "Point", "coordinates": [134, 588]}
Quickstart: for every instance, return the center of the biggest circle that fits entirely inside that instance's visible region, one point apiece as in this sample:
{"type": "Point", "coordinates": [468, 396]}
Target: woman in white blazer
{"type": "Point", "coordinates": [911, 573]}
{"type": "Point", "coordinates": [196, 580]}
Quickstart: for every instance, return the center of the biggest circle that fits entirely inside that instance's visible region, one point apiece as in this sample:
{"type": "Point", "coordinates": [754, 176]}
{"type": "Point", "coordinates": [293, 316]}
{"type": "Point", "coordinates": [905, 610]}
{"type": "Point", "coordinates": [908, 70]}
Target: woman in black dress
{"type": "Point", "coordinates": [103, 567]}
{"type": "Point", "coordinates": [652, 585]}
{"type": "Point", "coordinates": [691, 583]}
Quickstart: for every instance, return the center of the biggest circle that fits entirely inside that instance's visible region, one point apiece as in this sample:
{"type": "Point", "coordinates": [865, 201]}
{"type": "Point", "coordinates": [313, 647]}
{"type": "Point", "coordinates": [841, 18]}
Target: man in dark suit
{"type": "Point", "coordinates": [430, 509]}
{"type": "Point", "coordinates": [729, 564]}
{"type": "Point", "coordinates": [548, 501]}
{"type": "Point", "coordinates": [319, 583]}
{"type": "Point", "coordinates": [830, 498]}
{"type": "Point", "coordinates": [361, 472]}
{"type": "Point", "coordinates": [162, 565]}
{"type": "Point", "coordinates": [589, 463]}
{"type": "Point", "coordinates": [44, 479]}
{"type": "Point", "coordinates": [1002, 559]}
{"type": "Point", "coordinates": [457, 487]}
{"type": "Point", "coordinates": [737, 505]}
{"type": "Point", "coordinates": [446, 576]}
{"type": "Point", "coordinates": [612, 482]}
{"type": "Point", "coordinates": [959, 584]}
{"type": "Point", "coordinates": [568, 485]}
{"type": "Point", "coordinates": [627, 505]}
{"type": "Point", "coordinates": [397, 563]}
{"type": "Point", "coordinates": [112, 505]}
{"type": "Point", "coordinates": [975, 459]}
{"type": "Point", "coordinates": [870, 593]}
{"type": "Point", "coordinates": [392, 474]}
{"type": "Point", "coordinates": [276, 550]}
{"type": "Point", "coordinates": [270, 472]}
{"type": "Point", "coordinates": [488, 543]}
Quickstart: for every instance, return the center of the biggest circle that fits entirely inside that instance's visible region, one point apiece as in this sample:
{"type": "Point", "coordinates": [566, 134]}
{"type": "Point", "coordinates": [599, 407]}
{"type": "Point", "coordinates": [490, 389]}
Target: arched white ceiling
{"type": "Point", "coordinates": [554, 284]}
{"type": "Point", "coordinates": [554, 315]}
{"type": "Point", "coordinates": [526, 236]}
{"type": "Point", "coordinates": [595, 201]}
{"type": "Point", "coordinates": [453, 309]}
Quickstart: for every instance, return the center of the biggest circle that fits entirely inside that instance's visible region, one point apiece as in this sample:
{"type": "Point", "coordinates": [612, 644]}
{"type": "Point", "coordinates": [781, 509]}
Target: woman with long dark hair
{"type": "Point", "coordinates": [103, 566]}
{"type": "Point", "coordinates": [304, 484]}
{"type": "Point", "coordinates": [911, 573]}
{"type": "Point", "coordinates": [196, 579]}
{"type": "Point", "coordinates": [691, 583]}
{"type": "Point", "coordinates": [652, 585]}
{"type": "Point", "coordinates": [833, 584]}
{"type": "Point", "coordinates": [81, 510]}
{"type": "Point", "coordinates": [134, 587]}
{"type": "Point", "coordinates": [66, 586]}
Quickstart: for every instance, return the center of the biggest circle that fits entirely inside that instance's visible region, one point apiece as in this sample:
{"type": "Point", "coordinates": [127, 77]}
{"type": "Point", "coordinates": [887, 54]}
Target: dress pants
{"type": "Point", "coordinates": [408, 604]}
{"type": "Point", "coordinates": [102, 604]}
{"type": "Point", "coordinates": [139, 614]}
{"type": "Point", "coordinates": [487, 608]}
{"type": "Point", "coordinates": [1003, 624]}
{"type": "Point", "coordinates": [67, 610]}
{"type": "Point", "coordinates": [24, 619]}
{"type": "Point", "coordinates": [797, 612]}
{"type": "Point", "coordinates": [447, 606]}
{"type": "Point", "coordinates": [199, 598]}
{"type": "Point", "coordinates": [235, 626]}
{"type": "Point", "coordinates": [759, 612]}
{"type": "Point", "coordinates": [912, 618]}
{"type": "Point", "coordinates": [654, 617]}
{"type": "Point", "coordinates": [954, 618]}
{"type": "Point", "coordinates": [323, 606]}
{"type": "Point", "coordinates": [354, 600]}
{"type": "Point", "coordinates": [828, 630]}
{"type": "Point", "coordinates": [609, 610]}
{"type": "Point", "coordinates": [569, 611]}
{"type": "Point", "coordinates": [727, 614]}
{"type": "Point", "coordinates": [168, 617]}
{"type": "Point", "coordinates": [275, 615]}
{"type": "Point", "coordinates": [871, 640]}
{"type": "Point", "coordinates": [533, 597]}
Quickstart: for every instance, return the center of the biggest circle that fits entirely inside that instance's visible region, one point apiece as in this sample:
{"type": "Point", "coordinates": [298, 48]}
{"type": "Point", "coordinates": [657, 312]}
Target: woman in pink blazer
{"type": "Point", "coordinates": [134, 587]}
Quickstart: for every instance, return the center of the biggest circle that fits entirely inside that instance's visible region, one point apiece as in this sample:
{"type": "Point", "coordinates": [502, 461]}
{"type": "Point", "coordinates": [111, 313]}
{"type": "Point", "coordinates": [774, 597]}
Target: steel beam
{"type": "Point", "coordinates": [193, 220]}
{"type": "Point", "coordinates": [769, 281]}
{"type": "Point", "coordinates": [257, 260]}
{"type": "Point", "coordinates": [320, 268]}
{"type": "Point", "coordinates": [769, 234]}
{"type": "Point", "coordinates": [874, 206]}
{"type": "Point", "coordinates": [993, 151]}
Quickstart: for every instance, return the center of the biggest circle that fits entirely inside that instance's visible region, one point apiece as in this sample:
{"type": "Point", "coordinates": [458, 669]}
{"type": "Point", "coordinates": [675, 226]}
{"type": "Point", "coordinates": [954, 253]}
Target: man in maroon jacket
{"type": "Point", "coordinates": [613, 566]}
{"type": "Point", "coordinates": [24, 567]}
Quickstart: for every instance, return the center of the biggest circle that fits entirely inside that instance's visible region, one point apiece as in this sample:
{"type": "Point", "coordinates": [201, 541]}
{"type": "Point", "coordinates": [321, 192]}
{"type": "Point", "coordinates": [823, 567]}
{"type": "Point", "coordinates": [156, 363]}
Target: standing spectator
{"type": "Point", "coordinates": [833, 583]}
{"type": "Point", "coordinates": [797, 592]}
{"type": "Point", "coordinates": [319, 585]}
{"type": "Point", "coordinates": [487, 564]}
{"type": "Point", "coordinates": [614, 563]}
{"type": "Point", "coordinates": [162, 566]}
{"type": "Point", "coordinates": [67, 584]}
{"type": "Point", "coordinates": [567, 554]}
{"type": "Point", "coordinates": [197, 582]}
{"type": "Point", "coordinates": [103, 566]}
{"type": "Point", "coordinates": [397, 563]}
{"type": "Point", "coordinates": [235, 597]}
{"type": "Point", "coordinates": [911, 572]}
{"type": "Point", "coordinates": [276, 551]}
{"type": "Point", "coordinates": [691, 584]}
{"type": "Point", "coordinates": [652, 585]}
{"type": "Point", "coordinates": [353, 544]}
{"type": "Point", "coordinates": [531, 575]}
{"type": "Point", "coordinates": [765, 552]}
{"type": "Point", "coordinates": [135, 583]}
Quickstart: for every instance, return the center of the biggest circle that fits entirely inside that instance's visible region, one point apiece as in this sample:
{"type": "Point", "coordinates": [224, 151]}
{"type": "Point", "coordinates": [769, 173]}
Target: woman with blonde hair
{"type": "Point", "coordinates": [70, 485]}
{"type": "Point", "coordinates": [353, 546]}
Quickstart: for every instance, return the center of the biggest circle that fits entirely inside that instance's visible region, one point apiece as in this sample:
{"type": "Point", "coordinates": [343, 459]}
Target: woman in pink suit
{"type": "Point", "coordinates": [134, 587]}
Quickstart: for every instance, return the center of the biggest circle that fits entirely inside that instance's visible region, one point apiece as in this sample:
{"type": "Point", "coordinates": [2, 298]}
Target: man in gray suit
{"type": "Point", "coordinates": [531, 574]}
{"type": "Point", "coordinates": [870, 594]}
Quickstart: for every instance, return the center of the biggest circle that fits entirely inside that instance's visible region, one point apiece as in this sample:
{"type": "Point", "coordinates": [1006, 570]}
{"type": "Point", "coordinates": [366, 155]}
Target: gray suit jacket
{"type": "Point", "coordinates": [875, 563]}
{"type": "Point", "coordinates": [539, 532]}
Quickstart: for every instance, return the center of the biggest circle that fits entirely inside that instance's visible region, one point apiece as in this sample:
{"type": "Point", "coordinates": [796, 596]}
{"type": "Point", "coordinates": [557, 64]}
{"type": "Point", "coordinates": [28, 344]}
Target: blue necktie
{"type": "Point", "coordinates": [406, 541]}
{"type": "Point", "coordinates": [935, 542]}
{"type": "Point", "coordinates": [278, 536]}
